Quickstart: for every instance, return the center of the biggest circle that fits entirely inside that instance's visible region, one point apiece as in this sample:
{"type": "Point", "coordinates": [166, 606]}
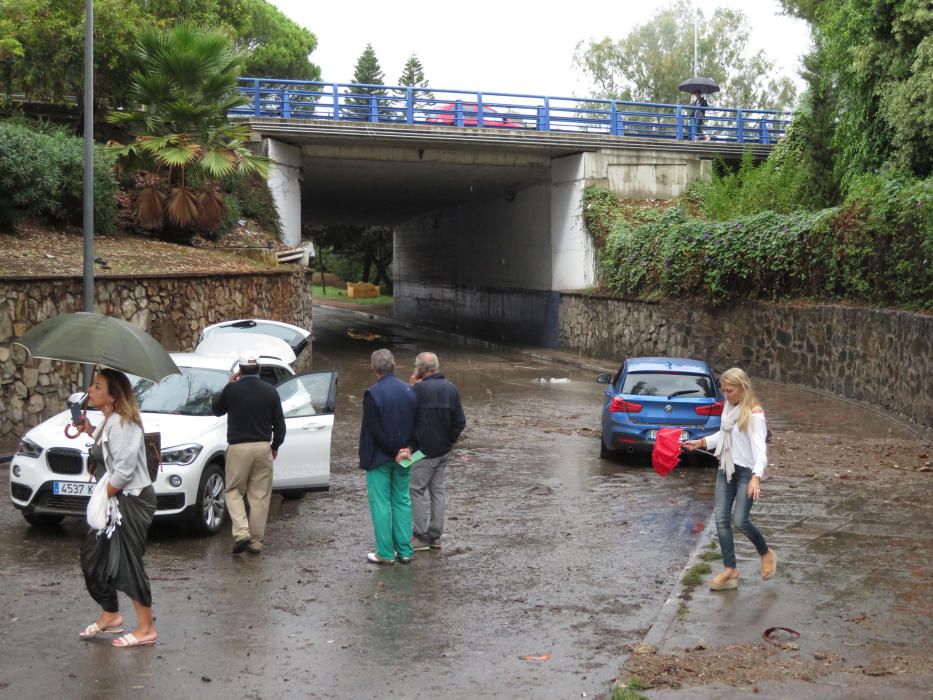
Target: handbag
{"type": "Point", "coordinates": [97, 505]}
{"type": "Point", "coordinates": [153, 454]}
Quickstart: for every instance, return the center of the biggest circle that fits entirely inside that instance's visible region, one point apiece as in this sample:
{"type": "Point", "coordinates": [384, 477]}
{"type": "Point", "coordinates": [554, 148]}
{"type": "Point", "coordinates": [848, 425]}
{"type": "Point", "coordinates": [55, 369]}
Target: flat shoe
{"type": "Point", "coordinates": [93, 629]}
{"type": "Point", "coordinates": [374, 558]}
{"type": "Point", "coordinates": [767, 573]}
{"type": "Point", "coordinates": [128, 640]}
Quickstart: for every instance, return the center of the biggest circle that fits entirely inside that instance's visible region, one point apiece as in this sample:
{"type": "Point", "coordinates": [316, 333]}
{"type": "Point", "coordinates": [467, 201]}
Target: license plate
{"type": "Point", "coordinates": [653, 434]}
{"type": "Point", "coordinates": [72, 488]}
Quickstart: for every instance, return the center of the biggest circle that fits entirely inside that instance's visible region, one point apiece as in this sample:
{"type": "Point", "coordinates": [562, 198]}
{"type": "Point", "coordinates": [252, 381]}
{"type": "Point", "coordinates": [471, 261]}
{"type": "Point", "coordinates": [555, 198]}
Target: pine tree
{"type": "Point", "coordinates": [367, 72]}
{"type": "Point", "coordinates": [413, 76]}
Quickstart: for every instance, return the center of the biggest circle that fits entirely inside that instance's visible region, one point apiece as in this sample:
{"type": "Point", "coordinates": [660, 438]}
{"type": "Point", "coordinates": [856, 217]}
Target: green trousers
{"type": "Point", "coordinates": [390, 507]}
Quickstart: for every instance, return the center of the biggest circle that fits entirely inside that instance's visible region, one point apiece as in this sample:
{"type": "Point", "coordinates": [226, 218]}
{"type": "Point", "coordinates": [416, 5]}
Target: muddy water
{"type": "Point", "coordinates": [549, 552]}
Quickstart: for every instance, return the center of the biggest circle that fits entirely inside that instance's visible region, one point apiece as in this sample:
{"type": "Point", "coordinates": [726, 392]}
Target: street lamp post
{"type": "Point", "coordinates": [88, 165]}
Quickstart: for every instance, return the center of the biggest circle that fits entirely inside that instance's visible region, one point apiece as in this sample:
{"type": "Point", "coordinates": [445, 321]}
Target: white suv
{"type": "Point", "coordinates": [48, 473]}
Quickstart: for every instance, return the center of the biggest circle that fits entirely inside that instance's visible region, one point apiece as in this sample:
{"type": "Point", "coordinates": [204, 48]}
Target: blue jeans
{"type": "Point", "coordinates": [736, 492]}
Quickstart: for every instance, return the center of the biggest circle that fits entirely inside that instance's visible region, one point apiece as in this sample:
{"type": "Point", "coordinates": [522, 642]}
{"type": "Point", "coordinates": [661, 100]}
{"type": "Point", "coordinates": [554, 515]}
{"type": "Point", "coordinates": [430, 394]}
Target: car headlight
{"type": "Point", "coordinates": [28, 448]}
{"type": "Point", "coordinates": [183, 454]}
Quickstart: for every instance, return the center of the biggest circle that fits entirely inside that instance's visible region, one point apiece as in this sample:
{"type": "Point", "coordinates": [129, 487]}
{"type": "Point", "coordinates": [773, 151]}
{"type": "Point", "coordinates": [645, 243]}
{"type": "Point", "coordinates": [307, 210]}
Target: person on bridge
{"type": "Point", "coordinates": [699, 113]}
{"type": "Point", "coordinates": [438, 425]}
{"type": "Point", "coordinates": [740, 445]}
{"type": "Point", "coordinates": [389, 408]}
{"type": "Point", "coordinates": [255, 431]}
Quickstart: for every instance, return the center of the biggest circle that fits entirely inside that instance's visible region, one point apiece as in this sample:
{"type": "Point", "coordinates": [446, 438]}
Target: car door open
{"type": "Point", "coordinates": [303, 461]}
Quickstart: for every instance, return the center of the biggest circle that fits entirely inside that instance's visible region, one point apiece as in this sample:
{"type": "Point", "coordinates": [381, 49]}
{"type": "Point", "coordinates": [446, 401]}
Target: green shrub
{"type": "Point", "coordinates": [42, 175]}
{"type": "Point", "coordinates": [875, 248]}
{"type": "Point", "coordinates": [255, 201]}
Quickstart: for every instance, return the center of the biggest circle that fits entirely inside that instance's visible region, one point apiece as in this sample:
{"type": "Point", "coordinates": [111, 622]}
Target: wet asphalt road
{"type": "Point", "coordinates": [548, 551]}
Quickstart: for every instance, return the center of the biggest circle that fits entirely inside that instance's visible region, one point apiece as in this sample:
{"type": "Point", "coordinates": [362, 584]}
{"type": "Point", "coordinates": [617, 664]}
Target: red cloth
{"type": "Point", "coordinates": [666, 452]}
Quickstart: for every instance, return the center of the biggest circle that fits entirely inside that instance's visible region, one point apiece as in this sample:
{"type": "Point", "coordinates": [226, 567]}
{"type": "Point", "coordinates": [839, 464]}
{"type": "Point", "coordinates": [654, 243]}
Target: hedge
{"type": "Point", "coordinates": [875, 248]}
{"type": "Point", "coordinates": [42, 175]}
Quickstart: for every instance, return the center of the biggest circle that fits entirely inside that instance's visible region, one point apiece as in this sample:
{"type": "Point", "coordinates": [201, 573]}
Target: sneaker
{"type": "Point", "coordinates": [403, 560]}
{"type": "Point", "coordinates": [374, 558]}
{"type": "Point", "coordinates": [436, 544]}
{"type": "Point", "coordinates": [419, 545]}
{"type": "Point", "coordinates": [239, 546]}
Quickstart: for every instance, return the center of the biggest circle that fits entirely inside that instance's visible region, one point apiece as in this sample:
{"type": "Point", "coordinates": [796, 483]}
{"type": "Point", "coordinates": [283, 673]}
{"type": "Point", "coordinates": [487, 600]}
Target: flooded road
{"type": "Point", "coordinates": [549, 552]}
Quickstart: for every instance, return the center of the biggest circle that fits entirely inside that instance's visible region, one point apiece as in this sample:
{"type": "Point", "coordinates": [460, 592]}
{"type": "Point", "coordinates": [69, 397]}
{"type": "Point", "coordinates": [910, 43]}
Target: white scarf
{"type": "Point", "coordinates": [724, 449]}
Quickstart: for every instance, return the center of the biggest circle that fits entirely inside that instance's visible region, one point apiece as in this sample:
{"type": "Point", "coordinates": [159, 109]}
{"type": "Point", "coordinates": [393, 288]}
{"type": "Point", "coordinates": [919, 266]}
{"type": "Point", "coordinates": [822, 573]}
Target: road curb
{"type": "Point", "coordinates": [658, 631]}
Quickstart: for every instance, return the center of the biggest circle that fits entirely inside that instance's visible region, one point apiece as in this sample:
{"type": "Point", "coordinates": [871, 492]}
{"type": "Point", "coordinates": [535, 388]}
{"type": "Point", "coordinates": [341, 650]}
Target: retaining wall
{"type": "Point", "coordinates": [881, 357]}
{"type": "Point", "coordinates": [172, 308]}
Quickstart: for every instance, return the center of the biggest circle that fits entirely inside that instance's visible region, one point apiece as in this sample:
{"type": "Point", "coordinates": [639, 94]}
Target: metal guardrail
{"type": "Point", "coordinates": [353, 102]}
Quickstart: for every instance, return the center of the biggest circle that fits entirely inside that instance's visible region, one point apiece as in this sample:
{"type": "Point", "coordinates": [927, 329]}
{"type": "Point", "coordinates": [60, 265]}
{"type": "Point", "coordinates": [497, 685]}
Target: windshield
{"type": "Point", "coordinates": [189, 393]}
{"type": "Point", "coordinates": [668, 384]}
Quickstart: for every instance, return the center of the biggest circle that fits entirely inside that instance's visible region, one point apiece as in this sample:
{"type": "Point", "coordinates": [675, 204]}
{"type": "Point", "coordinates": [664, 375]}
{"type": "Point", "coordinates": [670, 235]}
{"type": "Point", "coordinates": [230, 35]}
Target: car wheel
{"type": "Point", "coordinates": [42, 520]}
{"type": "Point", "coordinates": [293, 494]}
{"type": "Point", "coordinates": [211, 508]}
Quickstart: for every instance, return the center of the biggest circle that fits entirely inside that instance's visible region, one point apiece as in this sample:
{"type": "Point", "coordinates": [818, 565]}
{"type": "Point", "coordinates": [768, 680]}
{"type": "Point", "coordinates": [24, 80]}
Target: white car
{"type": "Point", "coordinates": [296, 337]}
{"type": "Point", "coordinates": [48, 473]}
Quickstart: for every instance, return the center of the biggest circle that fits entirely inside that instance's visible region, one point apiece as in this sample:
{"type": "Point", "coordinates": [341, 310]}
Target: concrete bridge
{"type": "Point", "coordinates": [487, 222]}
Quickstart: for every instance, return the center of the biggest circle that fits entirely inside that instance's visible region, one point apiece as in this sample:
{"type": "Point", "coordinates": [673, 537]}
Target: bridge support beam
{"type": "Point", "coordinates": [285, 185]}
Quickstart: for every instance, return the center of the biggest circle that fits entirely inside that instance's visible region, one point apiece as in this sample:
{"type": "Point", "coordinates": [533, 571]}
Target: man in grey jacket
{"type": "Point", "coordinates": [438, 424]}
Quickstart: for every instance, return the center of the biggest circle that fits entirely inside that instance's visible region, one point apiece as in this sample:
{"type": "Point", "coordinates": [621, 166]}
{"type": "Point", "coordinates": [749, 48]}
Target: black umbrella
{"type": "Point", "coordinates": [96, 339]}
{"type": "Point", "coordinates": [704, 86]}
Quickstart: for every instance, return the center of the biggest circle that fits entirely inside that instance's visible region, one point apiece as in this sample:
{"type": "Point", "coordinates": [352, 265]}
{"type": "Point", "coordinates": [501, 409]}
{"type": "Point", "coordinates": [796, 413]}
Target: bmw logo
{"type": "Point", "coordinates": [668, 408]}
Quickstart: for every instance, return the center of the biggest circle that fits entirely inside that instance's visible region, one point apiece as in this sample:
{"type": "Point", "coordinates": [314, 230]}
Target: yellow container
{"type": "Point", "coordinates": [362, 290]}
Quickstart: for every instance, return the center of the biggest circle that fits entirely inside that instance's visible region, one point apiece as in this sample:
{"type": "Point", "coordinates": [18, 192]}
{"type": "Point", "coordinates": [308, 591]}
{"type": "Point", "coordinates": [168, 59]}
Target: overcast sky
{"type": "Point", "coordinates": [503, 45]}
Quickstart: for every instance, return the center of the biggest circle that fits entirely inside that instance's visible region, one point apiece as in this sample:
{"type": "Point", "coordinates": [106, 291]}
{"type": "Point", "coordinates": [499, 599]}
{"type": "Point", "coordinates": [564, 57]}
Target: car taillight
{"type": "Point", "coordinates": [620, 405]}
{"type": "Point", "coordinates": [713, 409]}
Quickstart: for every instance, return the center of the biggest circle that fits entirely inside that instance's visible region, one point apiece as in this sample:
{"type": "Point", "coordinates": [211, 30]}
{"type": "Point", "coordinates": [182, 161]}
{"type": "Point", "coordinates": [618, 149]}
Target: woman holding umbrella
{"type": "Point", "coordinates": [114, 562]}
{"type": "Point", "coordinates": [740, 447]}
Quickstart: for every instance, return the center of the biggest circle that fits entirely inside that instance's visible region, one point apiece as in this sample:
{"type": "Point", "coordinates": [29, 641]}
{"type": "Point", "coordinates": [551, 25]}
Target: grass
{"type": "Point", "coordinates": [711, 556]}
{"type": "Point", "coordinates": [629, 691]}
{"type": "Point", "coordinates": [695, 574]}
{"type": "Point", "coordinates": [340, 293]}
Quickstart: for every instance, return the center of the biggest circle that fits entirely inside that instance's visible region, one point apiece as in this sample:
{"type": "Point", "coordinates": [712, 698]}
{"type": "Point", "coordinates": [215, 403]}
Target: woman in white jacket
{"type": "Point", "coordinates": [741, 448]}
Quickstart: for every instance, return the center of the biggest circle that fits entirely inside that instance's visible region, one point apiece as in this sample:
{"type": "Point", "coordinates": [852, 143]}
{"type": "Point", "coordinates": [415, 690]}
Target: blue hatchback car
{"type": "Point", "coordinates": [648, 393]}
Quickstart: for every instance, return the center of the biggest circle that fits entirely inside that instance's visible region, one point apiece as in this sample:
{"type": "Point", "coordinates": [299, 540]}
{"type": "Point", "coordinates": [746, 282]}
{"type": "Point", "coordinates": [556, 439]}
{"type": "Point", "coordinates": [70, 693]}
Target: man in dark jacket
{"type": "Point", "coordinates": [388, 422]}
{"type": "Point", "coordinates": [255, 431]}
{"type": "Point", "coordinates": [438, 425]}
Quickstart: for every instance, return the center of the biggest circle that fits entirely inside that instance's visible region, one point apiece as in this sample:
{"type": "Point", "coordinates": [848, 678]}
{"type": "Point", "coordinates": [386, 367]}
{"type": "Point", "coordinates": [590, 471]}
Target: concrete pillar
{"type": "Point", "coordinates": [573, 258]}
{"type": "Point", "coordinates": [285, 185]}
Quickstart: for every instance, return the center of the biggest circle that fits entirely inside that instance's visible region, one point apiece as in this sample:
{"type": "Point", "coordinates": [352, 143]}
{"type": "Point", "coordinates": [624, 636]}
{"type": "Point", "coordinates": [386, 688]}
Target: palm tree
{"type": "Point", "coordinates": [184, 84]}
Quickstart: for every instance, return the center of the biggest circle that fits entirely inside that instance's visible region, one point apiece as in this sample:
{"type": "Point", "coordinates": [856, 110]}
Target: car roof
{"type": "Point", "coordinates": [226, 363]}
{"type": "Point", "coordinates": [666, 364]}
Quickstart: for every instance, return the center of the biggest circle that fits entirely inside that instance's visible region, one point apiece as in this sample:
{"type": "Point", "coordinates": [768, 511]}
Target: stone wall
{"type": "Point", "coordinates": [172, 308]}
{"type": "Point", "coordinates": [881, 357]}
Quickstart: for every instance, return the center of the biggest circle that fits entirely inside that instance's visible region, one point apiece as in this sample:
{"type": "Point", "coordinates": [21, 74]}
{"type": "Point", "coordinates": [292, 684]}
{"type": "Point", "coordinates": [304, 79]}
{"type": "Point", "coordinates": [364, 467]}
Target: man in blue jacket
{"type": "Point", "coordinates": [438, 425]}
{"type": "Point", "coordinates": [389, 408]}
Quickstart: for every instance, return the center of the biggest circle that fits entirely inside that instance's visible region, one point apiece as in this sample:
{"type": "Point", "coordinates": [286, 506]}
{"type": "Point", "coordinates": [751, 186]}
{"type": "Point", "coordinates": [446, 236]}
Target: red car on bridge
{"type": "Point", "coordinates": [447, 114]}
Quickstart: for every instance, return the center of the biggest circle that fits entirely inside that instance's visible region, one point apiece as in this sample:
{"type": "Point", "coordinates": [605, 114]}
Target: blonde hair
{"type": "Point", "coordinates": [749, 402]}
{"type": "Point", "coordinates": [124, 400]}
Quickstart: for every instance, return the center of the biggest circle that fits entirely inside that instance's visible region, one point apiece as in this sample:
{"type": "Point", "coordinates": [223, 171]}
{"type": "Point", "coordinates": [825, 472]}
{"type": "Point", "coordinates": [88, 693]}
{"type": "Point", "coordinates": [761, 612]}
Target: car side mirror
{"type": "Point", "coordinates": [604, 378]}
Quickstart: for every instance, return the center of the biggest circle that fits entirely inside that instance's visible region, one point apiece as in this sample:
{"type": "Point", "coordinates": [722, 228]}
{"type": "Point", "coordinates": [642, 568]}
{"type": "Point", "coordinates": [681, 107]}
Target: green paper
{"type": "Point", "coordinates": [415, 456]}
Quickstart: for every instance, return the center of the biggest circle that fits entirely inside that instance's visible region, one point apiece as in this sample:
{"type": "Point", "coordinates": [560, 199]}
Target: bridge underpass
{"type": "Point", "coordinates": [487, 222]}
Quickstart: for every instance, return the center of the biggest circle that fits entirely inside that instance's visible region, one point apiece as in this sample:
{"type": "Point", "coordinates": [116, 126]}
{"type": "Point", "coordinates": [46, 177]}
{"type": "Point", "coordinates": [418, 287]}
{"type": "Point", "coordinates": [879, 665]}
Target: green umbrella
{"type": "Point", "coordinates": [96, 339]}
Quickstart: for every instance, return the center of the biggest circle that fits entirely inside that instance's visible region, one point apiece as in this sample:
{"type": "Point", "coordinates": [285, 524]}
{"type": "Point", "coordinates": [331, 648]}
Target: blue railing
{"type": "Point", "coordinates": [352, 102]}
